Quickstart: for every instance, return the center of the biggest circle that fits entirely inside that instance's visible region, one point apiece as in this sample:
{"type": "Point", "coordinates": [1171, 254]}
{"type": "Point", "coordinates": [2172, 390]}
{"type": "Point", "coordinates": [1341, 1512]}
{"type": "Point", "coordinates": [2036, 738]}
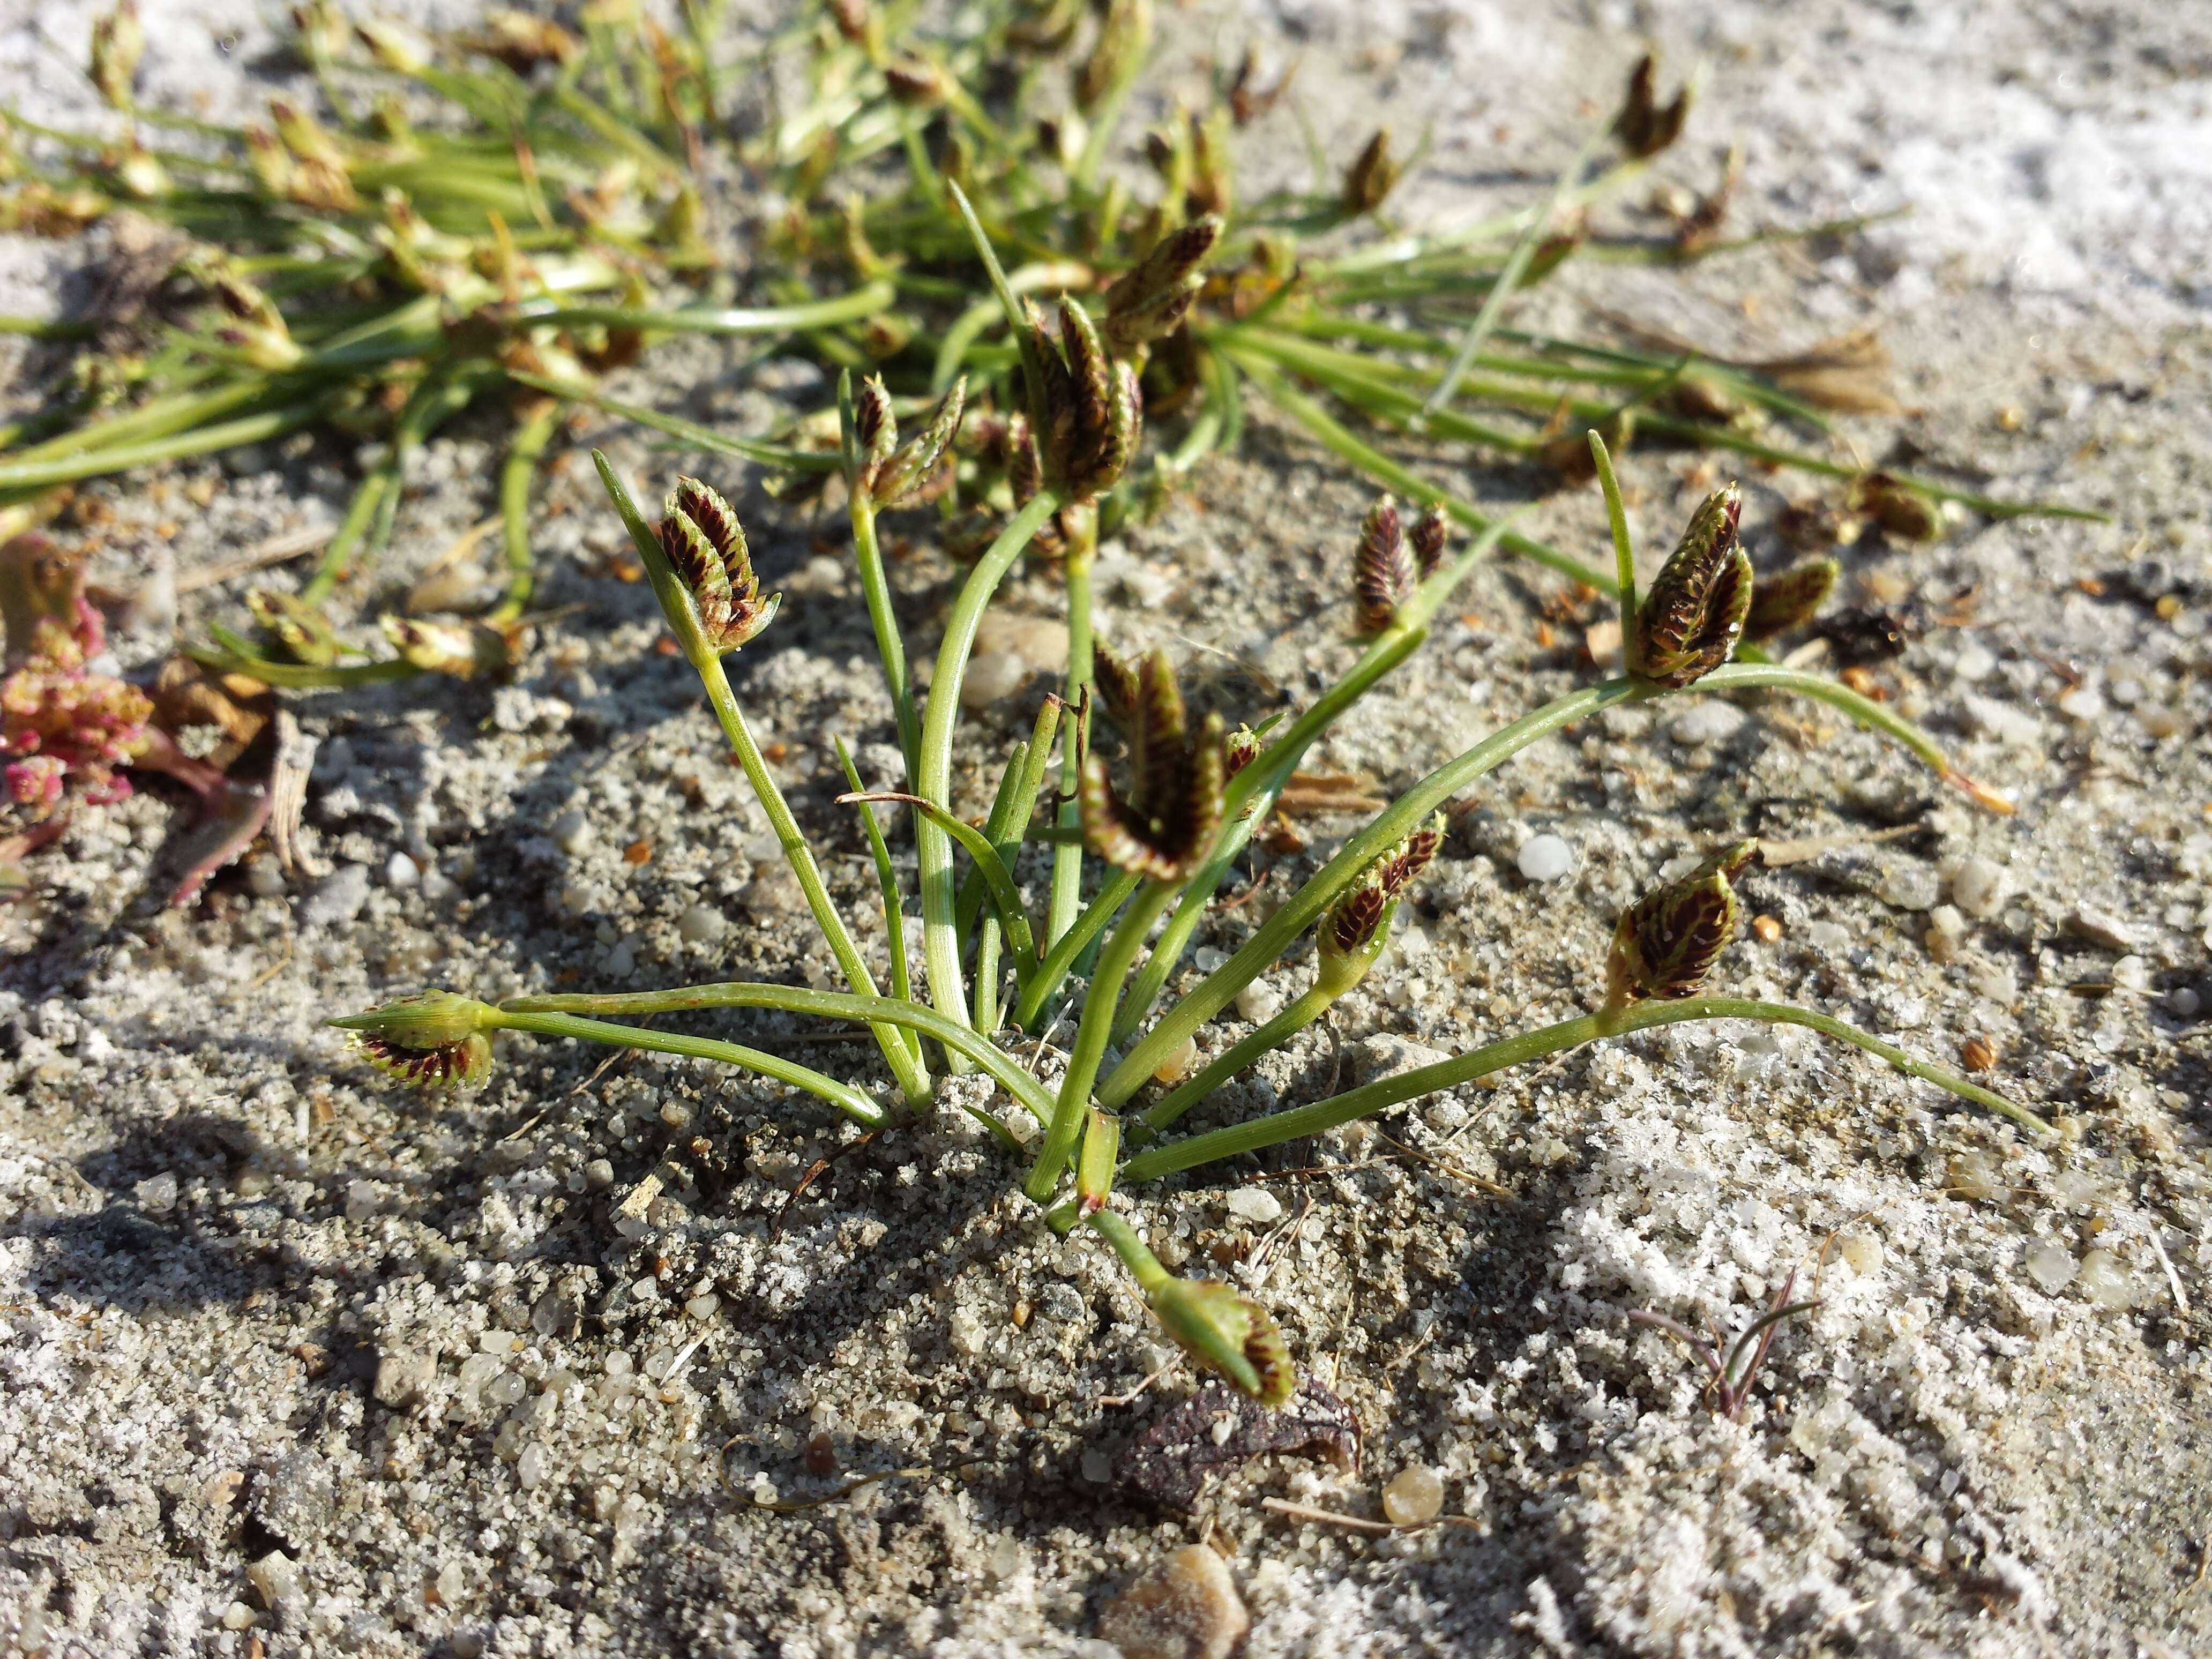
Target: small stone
{"type": "Point", "coordinates": [2105, 1282]}
{"type": "Point", "coordinates": [1979, 888]}
{"type": "Point", "coordinates": [2083, 703]}
{"type": "Point", "coordinates": [274, 1576]}
{"type": "Point", "coordinates": [2102, 928]}
{"type": "Point", "coordinates": [576, 897]}
{"type": "Point", "coordinates": [1766, 929]}
{"type": "Point", "coordinates": [529, 1468]}
{"type": "Point", "coordinates": [572, 832]}
{"type": "Point", "coordinates": [1974, 1176]}
{"type": "Point", "coordinates": [1259, 1002]}
{"type": "Point", "coordinates": [2182, 1002]}
{"type": "Point", "coordinates": [993, 677]}
{"type": "Point", "coordinates": [157, 1194]}
{"type": "Point", "coordinates": [1184, 1605]}
{"type": "Point", "coordinates": [1545, 858]}
{"type": "Point", "coordinates": [1415, 1494]}
{"type": "Point", "coordinates": [238, 1616]}
{"type": "Point", "coordinates": [2160, 720]}
{"type": "Point", "coordinates": [1910, 885]}
{"type": "Point", "coordinates": [337, 898]}
{"type": "Point", "coordinates": [1974, 663]}
{"type": "Point", "coordinates": [403, 1377]}
{"type": "Point", "coordinates": [1707, 721]}
{"type": "Point", "coordinates": [2050, 1265]}
{"type": "Point", "coordinates": [362, 1200]}
{"type": "Point", "coordinates": [599, 1175]}
{"type": "Point", "coordinates": [264, 877]}
{"type": "Point", "coordinates": [703, 1307]}
{"type": "Point", "coordinates": [1180, 1059]}
{"type": "Point", "coordinates": [401, 873]}
{"type": "Point", "coordinates": [1254, 1205]}
{"type": "Point", "coordinates": [295, 1499]}
{"type": "Point", "coordinates": [703, 924]}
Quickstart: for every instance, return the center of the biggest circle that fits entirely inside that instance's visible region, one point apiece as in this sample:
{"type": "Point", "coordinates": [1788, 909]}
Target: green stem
{"type": "Point", "coordinates": [912, 1076]}
{"type": "Point", "coordinates": [1144, 1267]}
{"type": "Point", "coordinates": [860, 303]}
{"type": "Point", "coordinates": [522, 458]}
{"type": "Point", "coordinates": [27, 476]}
{"type": "Point", "coordinates": [782, 455]}
{"type": "Point", "coordinates": [1386, 1092]}
{"type": "Point", "coordinates": [844, 1097]}
{"type": "Point", "coordinates": [887, 883]}
{"type": "Point", "coordinates": [941, 716]}
{"type": "Point", "coordinates": [1508, 279]}
{"type": "Point", "coordinates": [1067, 857]}
{"type": "Point", "coordinates": [1275, 935]}
{"type": "Point", "coordinates": [1091, 1034]}
{"type": "Point", "coordinates": [890, 646]}
{"type": "Point", "coordinates": [1002, 1067]}
{"type": "Point", "coordinates": [1302, 1012]}
{"type": "Point", "coordinates": [1624, 551]}
{"type": "Point", "coordinates": [1060, 961]}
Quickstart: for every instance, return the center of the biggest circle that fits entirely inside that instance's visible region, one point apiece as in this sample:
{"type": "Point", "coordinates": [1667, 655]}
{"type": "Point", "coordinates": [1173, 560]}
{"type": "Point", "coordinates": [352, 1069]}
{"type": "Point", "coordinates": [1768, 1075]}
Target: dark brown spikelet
{"type": "Point", "coordinates": [1779, 604]}
{"type": "Point", "coordinates": [1693, 615]}
{"type": "Point", "coordinates": [705, 547]}
{"type": "Point", "coordinates": [1903, 511]}
{"type": "Point", "coordinates": [1370, 179]}
{"type": "Point", "coordinates": [904, 473]}
{"type": "Point", "coordinates": [447, 1064]}
{"type": "Point", "coordinates": [1165, 826]}
{"type": "Point", "coordinates": [1666, 942]}
{"type": "Point", "coordinates": [875, 427]}
{"type": "Point", "coordinates": [1241, 749]}
{"type": "Point", "coordinates": [1428, 537]}
{"type": "Point", "coordinates": [1352, 922]}
{"type": "Point", "coordinates": [1645, 126]}
{"type": "Point", "coordinates": [1150, 300]}
{"type": "Point", "coordinates": [1382, 571]}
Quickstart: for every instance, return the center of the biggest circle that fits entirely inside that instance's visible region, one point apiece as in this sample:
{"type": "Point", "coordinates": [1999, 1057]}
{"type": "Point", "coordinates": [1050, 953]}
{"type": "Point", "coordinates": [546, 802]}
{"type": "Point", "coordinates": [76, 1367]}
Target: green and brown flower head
{"type": "Point", "coordinates": [1087, 413]}
{"type": "Point", "coordinates": [892, 474]}
{"type": "Point", "coordinates": [705, 547]}
{"type": "Point", "coordinates": [435, 1039]}
{"type": "Point", "coordinates": [1382, 570]}
{"type": "Point", "coordinates": [1645, 126]}
{"type": "Point", "coordinates": [1165, 826]}
{"type": "Point", "coordinates": [1666, 942]}
{"type": "Point", "coordinates": [1692, 615]}
{"type": "Point", "coordinates": [1150, 300]}
{"type": "Point", "coordinates": [1353, 929]}
{"type": "Point", "coordinates": [1229, 1334]}
{"type": "Point", "coordinates": [1372, 176]}
{"type": "Point", "coordinates": [1428, 537]}
{"type": "Point", "coordinates": [1786, 602]}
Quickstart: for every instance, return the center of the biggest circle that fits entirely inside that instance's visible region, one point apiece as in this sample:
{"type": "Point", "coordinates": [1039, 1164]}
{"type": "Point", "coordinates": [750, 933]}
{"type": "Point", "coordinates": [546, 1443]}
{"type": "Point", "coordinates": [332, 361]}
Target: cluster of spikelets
{"type": "Point", "coordinates": [1167, 821]}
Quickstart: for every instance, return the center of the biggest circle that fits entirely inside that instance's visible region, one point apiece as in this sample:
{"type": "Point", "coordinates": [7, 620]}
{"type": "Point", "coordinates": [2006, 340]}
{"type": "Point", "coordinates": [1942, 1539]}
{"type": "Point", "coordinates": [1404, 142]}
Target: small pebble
{"type": "Point", "coordinates": [238, 1616]}
{"type": "Point", "coordinates": [703, 1307]}
{"type": "Point", "coordinates": [702, 924]}
{"type": "Point", "coordinates": [1545, 858]}
{"type": "Point", "coordinates": [1974, 1174]}
{"type": "Point", "coordinates": [157, 1194]}
{"type": "Point", "coordinates": [2083, 703]}
{"type": "Point", "coordinates": [401, 873]}
{"type": "Point", "coordinates": [572, 832]}
{"type": "Point", "coordinates": [529, 1468]}
{"type": "Point", "coordinates": [2182, 1002]}
{"type": "Point", "coordinates": [1706, 721]}
{"type": "Point", "coordinates": [1909, 885]}
{"type": "Point", "coordinates": [1255, 1204]}
{"type": "Point", "coordinates": [1259, 1002]}
{"type": "Point", "coordinates": [2050, 1265]}
{"type": "Point", "coordinates": [265, 877]}
{"type": "Point", "coordinates": [993, 676]}
{"type": "Point", "coordinates": [1765, 929]}
{"type": "Point", "coordinates": [274, 1576]}
{"type": "Point", "coordinates": [1978, 887]}
{"type": "Point", "coordinates": [1184, 1605]}
{"type": "Point", "coordinates": [1974, 663]}
{"type": "Point", "coordinates": [576, 897]}
{"type": "Point", "coordinates": [2105, 1282]}
{"type": "Point", "coordinates": [1415, 1494]}
{"type": "Point", "coordinates": [599, 1174]}
{"type": "Point", "coordinates": [1180, 1059]}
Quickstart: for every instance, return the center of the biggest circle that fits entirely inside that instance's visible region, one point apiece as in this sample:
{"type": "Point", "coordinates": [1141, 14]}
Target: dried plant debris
{"type": "Point", "coordinates": [1218, 1431]}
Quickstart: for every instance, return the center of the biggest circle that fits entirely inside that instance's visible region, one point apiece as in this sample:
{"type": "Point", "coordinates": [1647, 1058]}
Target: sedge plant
{"type": "Point", "coordinates": [1152, 827]}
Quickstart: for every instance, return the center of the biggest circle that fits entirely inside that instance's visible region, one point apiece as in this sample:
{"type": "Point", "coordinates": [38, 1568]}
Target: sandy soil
{"type": "Point", "coordinates": [294, 1363]}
